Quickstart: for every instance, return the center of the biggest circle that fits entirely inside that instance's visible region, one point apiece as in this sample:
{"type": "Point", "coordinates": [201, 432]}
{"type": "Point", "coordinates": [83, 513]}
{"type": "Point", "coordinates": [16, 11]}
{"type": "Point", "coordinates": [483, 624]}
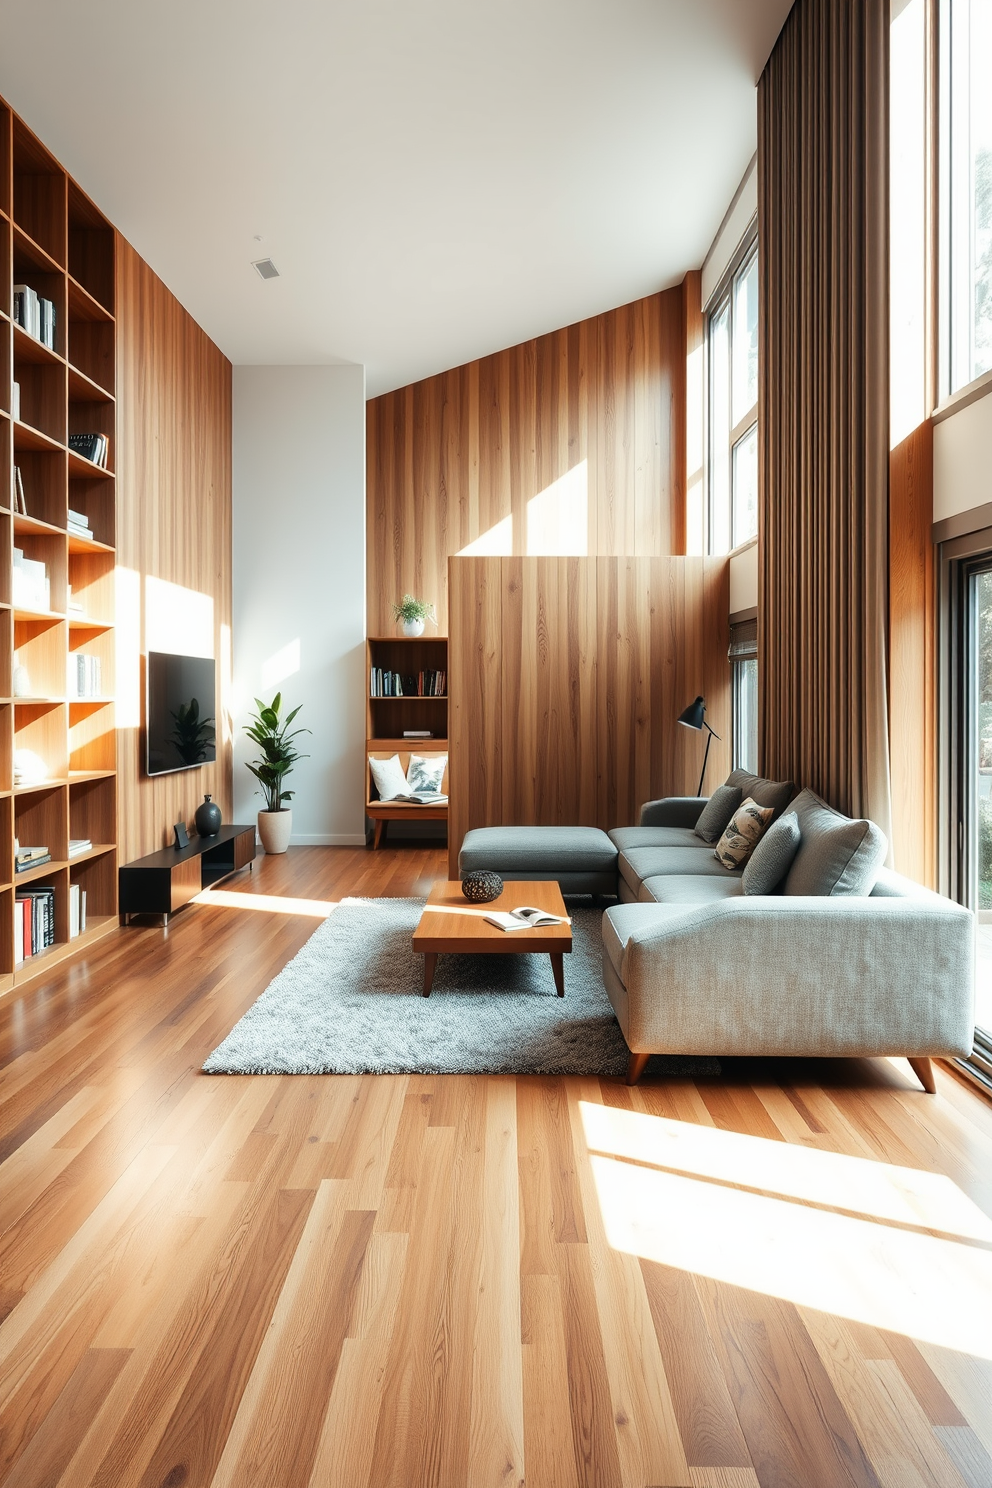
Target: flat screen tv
{"type": "Point", "coordinates": [180, 732]}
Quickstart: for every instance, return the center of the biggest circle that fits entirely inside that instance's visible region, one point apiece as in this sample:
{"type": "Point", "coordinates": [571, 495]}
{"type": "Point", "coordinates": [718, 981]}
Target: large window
{"type": "Point", "coordinates": [744, 678]}
{"type": "Point", "coordinates": [967, 158]}
{"type": "Point", "coordinates": [733, 405]}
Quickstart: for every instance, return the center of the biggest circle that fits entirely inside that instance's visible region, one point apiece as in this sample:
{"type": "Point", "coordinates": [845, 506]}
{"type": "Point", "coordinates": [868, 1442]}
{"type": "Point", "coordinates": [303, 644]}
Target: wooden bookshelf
{"type": "Point", "coordinates": [387, 717]}
{"type": "Point", "coordinates": [54, 239]}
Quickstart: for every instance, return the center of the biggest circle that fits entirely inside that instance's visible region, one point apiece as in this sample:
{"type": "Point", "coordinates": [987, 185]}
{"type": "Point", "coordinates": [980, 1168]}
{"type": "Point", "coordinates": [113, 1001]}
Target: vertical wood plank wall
{"type": "Point", "coordinates": [452, 457]}
{"type": "Point", "coordinates": [174, 523]}
{"type": "Point", "coordinates": [567, 676]}
{"type": "Point", "coordinates": [912, 659]}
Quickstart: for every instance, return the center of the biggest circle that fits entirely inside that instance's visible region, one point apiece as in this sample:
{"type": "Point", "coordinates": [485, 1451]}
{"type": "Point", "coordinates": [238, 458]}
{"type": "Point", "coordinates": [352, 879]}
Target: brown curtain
{"type": "Point", "coordinates": [823, 404]}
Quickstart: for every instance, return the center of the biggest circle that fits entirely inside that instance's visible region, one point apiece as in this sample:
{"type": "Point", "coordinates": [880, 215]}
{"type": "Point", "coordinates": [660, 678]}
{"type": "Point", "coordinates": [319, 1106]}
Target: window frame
{"type": "Point", "coordinates": [743, 653]}
{"type": "Point", "coordinates": [721, 298]}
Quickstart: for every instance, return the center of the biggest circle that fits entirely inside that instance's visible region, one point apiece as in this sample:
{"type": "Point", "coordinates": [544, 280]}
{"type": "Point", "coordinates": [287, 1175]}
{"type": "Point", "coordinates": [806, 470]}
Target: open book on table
{"type": "Point", "coordinates": [526, 917]}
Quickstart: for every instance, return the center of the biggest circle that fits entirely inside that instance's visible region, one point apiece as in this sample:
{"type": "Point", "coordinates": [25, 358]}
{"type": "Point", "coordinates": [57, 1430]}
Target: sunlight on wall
{"type": "Point", "coordinates": [283, 664]}
{"type": "Point", "coordinates": [177, 619]}
{"type": "Point", "coordinates": [497, 542]}
{"type": "Point", "coordinates": [907, 193]}
{"type": "Point", "coordinates": [882, 1271]}
{"type": "Point", "coordinates": [558, 516]}
{"type": "Point", "coordinates": [226, 680]}
{"type": "Point", "coordinates": [695, 490]}
{"type": "Point", "coordinates": [127, 638]}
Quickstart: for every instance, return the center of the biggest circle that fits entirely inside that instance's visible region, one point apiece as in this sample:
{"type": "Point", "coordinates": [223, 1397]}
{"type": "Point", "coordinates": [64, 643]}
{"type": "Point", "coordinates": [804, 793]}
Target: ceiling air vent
{"type": "Point", "coordinates": [265, 268]}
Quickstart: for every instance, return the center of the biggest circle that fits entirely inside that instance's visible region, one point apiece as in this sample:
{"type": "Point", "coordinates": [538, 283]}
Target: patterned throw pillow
{"type": "Point", "coordinates": [426, 774]}
{"type": "Point", "coordinates": [743, 833]}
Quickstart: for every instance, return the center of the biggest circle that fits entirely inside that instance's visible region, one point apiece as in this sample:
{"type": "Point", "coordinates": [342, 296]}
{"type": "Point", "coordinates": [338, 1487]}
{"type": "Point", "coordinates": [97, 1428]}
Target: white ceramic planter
{"type": "Point", "coordinates": [275, 829]}
{"type": "Point", "coordinates": [413, 627]}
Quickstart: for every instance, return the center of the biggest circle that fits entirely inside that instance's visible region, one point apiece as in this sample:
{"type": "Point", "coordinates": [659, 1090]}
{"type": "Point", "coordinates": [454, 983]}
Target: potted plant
{"type": "Point", "coordinates": [278, 756]}
{"type": "Point", "coordinates": [413, 613]}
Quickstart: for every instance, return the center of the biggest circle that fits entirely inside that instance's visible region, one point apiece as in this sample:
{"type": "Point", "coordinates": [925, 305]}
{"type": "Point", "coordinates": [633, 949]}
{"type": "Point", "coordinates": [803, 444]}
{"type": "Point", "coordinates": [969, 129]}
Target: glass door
{"type": "Point", "coordinates": [975, 775]}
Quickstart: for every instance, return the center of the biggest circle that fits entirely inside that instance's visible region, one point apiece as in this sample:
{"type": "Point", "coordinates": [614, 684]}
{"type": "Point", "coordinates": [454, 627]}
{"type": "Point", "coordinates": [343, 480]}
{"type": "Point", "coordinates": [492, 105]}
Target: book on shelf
{"type": "Point", "coordinates": [20, 505]}
{"type": "Point", "coordinates": [386, 683]}
{"type": "Point", "coordinates": [77, 910]}
{"type": "Point", "coordinates": [15, 401]}
{"type": "Point", "coordinates": [34, 922]}
{"type": "Point", "coordinates": [23, 865]}
{"type": "Point", "coordinates": [417, 734]}
{"type": "Point", "coordinates": [526, 917]}
{"type": "Point", "coordinates": [27, 310]}
{"type": "Point", "coordinates": [78, 519]}
{"type": "Point", "coordinates": [92, 447]}
{"type": "Point", "coordinates": [30, 585]}
{"type": "Point", "coordinates": [84, 675]}
{"type": "Point", "coordinates": [79, 845]}
{"type": "Point", "coordinates": [46, 323]}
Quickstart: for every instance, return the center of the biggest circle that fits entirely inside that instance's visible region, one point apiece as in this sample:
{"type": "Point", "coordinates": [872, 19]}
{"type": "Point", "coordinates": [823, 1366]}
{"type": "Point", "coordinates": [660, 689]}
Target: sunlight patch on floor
{"type": "Point", "coordinates": [317, 909]}
{"type": "Point", "coordinates": [874, 1270]}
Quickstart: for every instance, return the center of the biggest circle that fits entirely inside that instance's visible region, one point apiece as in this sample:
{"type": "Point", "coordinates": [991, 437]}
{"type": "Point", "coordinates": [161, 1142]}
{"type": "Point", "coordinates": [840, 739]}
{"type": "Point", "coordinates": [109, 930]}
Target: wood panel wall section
{"type": "Point", "coordinates": [174, 524]}
{"type": "Point", "coordinates": [912, 657]}
{"type": "Point", "coordinates": [599, 407]}
{"type": "Point", "coordinates": [567, 676]}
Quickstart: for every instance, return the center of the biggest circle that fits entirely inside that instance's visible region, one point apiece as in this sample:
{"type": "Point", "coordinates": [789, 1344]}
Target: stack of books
{"type": "Point", "coordinates": [79, 845]}
{"type": "Point", "coordinates": [92, 447]}
{"type": "Point", "coordinates": [78, 523]}
{"type": "Point", "coordinates": [30, 857]}
{"type": "Point", "coordinates": [29, 768]}
{"type": "Point", "coordinates": [35, 315]}
{"type": "Point", "coordinates": [83, 675]}
{"type": "Point", "coordinates": [34, 922]}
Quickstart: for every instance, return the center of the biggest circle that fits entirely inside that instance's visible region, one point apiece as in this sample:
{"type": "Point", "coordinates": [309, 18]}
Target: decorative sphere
{"type": "Point", "coordinates": [482, 887]}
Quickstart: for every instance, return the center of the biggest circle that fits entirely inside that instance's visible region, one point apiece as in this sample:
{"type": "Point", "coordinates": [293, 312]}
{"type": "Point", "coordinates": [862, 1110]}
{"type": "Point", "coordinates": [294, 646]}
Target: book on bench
{"type": "Point", "coordinates": [420, 798]}
{"type": "Point", "coordinates": [526, 917]}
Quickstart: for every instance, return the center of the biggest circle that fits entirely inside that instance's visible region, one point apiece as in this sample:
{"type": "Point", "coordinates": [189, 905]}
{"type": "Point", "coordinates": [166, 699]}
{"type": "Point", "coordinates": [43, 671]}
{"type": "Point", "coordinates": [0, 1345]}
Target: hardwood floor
{"type": "Point", "coordinates": [782, 1276]}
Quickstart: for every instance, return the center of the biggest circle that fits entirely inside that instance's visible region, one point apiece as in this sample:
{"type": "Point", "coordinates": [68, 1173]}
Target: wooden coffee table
{"type": "Point", "coordinates": [450, 925]}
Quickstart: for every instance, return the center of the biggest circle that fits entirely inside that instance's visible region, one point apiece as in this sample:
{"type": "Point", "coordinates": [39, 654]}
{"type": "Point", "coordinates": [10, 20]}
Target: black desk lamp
{"type": "Point", "coordinates": [694, 717]}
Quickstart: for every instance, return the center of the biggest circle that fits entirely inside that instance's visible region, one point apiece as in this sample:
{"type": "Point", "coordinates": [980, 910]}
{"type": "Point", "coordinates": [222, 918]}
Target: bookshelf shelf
{"type": "Point", "coordinates": [55, 241]}
{"type": "Point", "coordinates": [387, 717]}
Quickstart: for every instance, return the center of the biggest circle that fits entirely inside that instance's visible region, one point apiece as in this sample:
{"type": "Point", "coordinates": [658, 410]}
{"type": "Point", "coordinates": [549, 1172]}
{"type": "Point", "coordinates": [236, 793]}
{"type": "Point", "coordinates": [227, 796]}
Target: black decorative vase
{"type": "Point", "coordinates": [482, 887]}
{"type": "Point", "coordinates": [208, 818]}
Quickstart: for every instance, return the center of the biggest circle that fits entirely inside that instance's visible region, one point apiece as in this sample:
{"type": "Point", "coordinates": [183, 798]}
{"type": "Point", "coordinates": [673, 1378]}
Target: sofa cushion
{"type": "Point", "coordinates": [742, 834]}
{"type": "Point", "coordinates": [774, 793]}
{"type": "Point", "coordinates": [627, 837]}
{"type": "Point", "coordinates": [772, 858]}
{"type": "Point", "coordinates": [836, 855]}
{"type": "Point", "coordinates": [638, 863]}
{"type": "Point", "coordinates": [717, 812]}
{"type": "Point", "coordinates": [690, 888]}
{"type": "Point", "coordinates": [503, 849]}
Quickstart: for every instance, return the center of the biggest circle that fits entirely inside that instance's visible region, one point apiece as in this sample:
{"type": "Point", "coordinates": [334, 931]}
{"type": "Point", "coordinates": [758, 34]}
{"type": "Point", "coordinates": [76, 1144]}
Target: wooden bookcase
{"type": "Point", "coordinates": [387, 717]}
{"type": "Point", "coordinates": [53, 239]}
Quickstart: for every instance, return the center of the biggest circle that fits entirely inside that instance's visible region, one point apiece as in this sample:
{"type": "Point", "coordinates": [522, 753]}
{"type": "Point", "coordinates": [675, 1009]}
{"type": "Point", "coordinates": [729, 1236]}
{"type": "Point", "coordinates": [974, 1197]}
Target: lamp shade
{"type": "Point", "coordinates": [693, 716]}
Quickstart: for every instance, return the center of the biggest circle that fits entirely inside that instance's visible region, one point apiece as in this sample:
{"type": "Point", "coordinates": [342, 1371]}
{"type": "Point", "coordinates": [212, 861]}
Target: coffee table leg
{"type": "Point", "coordinates": [558, 967]}
{"type": "Point", "coordinates": [430, 961]}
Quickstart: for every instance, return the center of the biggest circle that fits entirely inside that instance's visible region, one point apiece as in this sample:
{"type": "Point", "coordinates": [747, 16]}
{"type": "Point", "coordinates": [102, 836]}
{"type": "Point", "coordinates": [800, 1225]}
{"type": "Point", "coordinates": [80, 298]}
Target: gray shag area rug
{"type": "Point", "coordinates": [350, 1002]}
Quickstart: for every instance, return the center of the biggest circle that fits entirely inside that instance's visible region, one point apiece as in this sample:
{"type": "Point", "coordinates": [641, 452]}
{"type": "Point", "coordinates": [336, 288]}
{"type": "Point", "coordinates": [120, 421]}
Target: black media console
{"type": "Point", "coordinates": [165, 881]}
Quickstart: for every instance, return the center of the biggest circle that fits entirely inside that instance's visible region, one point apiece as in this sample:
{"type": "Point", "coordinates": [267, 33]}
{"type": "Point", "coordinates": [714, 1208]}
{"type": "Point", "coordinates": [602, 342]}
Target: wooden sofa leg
{"type": "Point", "coordinates": [635, 1067]}
{"type": "Point", "coordinates": [923, 1070]}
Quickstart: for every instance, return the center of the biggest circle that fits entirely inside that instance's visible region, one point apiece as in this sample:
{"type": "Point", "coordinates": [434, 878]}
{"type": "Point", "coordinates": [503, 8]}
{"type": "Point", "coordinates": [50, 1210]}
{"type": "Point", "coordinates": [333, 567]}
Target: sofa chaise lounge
{"type": "Point", "coordinates": [842, 958]}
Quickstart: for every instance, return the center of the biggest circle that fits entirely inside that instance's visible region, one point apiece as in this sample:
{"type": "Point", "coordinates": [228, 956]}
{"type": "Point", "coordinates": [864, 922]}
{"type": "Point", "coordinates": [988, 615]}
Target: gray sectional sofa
{"type": "Point", "coordinates": [841, 957]}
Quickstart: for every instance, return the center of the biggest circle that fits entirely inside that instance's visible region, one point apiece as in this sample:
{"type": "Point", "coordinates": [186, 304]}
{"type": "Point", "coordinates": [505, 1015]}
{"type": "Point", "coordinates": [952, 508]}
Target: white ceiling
{"type": "Point", "coordinates": [435, 179]}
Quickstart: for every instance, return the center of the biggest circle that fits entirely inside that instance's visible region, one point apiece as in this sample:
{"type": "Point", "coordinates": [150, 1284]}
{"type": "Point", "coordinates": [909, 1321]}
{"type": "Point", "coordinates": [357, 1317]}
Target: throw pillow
{"type": "Point", "coordinates": [742, 834]}
{"type": "Point", "coordinates": [772, 858]}
{"type": "Point", "coordinates": [389, 779]}
{"type": "Point", "coordinates": [426, 774]}
{"type": "Point", "coordinates": [717, 812]}
{"type": "Point", "coordinates": [774, 793]}
{"type": "Point", "coordinates": [837, 855]}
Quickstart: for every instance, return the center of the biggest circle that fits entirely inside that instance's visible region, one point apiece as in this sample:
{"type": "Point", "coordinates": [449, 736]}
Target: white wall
{"type": "Point", "coordinates": [299, 583]}
{"type": "Point", "coordinates": [744, 579]}
{"type": "Point", "coordinates": [732, 230]}
{"type": "Point", "coordinates": [962, 459]}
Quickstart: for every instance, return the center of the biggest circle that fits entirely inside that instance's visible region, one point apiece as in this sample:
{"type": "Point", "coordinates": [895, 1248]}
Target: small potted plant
{"type": "Point", "coordinates": [278, 756]}
{"type": "Point", "coordinates": [413, 613]}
